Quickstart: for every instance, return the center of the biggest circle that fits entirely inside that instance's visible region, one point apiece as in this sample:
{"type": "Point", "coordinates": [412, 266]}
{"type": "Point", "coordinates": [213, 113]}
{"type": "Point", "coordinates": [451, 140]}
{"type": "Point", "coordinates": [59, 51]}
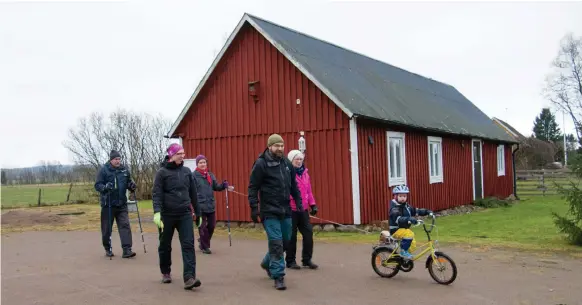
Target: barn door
{"type": "Point", "coordinates": [477, 170]}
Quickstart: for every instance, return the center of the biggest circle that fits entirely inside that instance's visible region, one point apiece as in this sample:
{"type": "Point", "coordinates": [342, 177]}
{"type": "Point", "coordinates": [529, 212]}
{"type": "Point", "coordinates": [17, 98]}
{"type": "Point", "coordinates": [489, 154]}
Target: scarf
{"type": "Point", "coordinates": [205, 174]}
{"type": "Point", "coordinates": [300, 170]}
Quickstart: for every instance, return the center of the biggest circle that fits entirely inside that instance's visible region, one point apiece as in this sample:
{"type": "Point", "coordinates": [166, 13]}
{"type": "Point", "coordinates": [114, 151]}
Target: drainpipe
{"type": "Point", "coordinates": [514, 176]}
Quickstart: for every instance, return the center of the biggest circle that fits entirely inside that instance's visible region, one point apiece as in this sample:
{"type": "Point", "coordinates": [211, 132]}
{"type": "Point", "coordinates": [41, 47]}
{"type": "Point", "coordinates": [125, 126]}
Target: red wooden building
{"type": "Point", "coordinates": [368, 126]}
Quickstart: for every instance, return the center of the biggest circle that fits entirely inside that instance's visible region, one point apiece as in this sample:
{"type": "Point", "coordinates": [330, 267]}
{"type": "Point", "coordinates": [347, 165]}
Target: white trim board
{"type": "Point", "coordinates": [473, 167]}
{"type": "Point", "coordinates": [250, 19]}
{"type": "Point", "coordinates": [355, 171]}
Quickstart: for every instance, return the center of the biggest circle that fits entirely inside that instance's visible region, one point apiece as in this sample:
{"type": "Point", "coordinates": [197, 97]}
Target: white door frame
{"type": "Point", "coordinates": [473, 167]}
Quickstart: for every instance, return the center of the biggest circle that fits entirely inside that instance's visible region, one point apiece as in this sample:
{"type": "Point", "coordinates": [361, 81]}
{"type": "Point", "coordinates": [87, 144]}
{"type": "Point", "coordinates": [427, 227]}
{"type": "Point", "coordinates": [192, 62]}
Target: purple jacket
{"type": "Point", "coordinates": [304, 186]}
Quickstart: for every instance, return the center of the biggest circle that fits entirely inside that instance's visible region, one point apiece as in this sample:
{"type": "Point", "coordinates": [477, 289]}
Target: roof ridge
{"type": "Point", "coordinates": [345, 48]}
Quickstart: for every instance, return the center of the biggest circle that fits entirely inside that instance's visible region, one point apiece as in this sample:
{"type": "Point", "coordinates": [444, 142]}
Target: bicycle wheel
{"type": "Point", "coordinates": [382, 259]}
{"type": "Point", "coordinates": [439, 265]}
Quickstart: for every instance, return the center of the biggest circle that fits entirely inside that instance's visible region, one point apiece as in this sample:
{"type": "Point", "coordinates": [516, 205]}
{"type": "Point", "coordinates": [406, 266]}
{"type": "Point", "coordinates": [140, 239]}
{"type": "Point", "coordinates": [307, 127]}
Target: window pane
{"type": "Point", "coordinates": [436, 160]}
{"type": "Point", "coordinates": [398, 147]}
{"type": "Point", "coordinates": [431, 161]}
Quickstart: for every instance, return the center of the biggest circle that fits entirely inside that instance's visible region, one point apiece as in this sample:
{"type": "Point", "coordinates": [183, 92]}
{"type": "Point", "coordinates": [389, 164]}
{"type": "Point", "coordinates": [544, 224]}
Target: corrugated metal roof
{"type": "Point", "coordinates": [371, 88]}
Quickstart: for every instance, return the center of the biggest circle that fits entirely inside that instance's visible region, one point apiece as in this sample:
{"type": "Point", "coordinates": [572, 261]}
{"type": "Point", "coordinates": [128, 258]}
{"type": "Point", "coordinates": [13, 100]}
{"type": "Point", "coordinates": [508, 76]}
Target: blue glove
{"type": "Point", "coordinates": [413, 220]}
{"type": "Point", "coordinates": [108, 186]}
{"type": "Point", "coordinates": [224, 184]}
{"type": "Point", "coordinates": [131, 186]}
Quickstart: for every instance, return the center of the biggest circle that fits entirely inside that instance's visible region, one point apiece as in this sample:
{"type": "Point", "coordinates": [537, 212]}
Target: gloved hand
{"type": "Point", "coordinates": [109, 186]}
{"type": "Point", "coordinates": [132, 186]}
{"type": "Point", "coordinates": [430, 213]}
{"type": "Point", "coordinates": [413, 220]}
{"type": "Point", "coordinates": [255, 215]}
{"type": "Point", "coordinates": [313, 210]}
{"type": "Point", "coordinates": [198, 220]}
{"type": "Point", "coordinates": [224, 184]}
{"type": "Point", "coordinates": [158, 220]}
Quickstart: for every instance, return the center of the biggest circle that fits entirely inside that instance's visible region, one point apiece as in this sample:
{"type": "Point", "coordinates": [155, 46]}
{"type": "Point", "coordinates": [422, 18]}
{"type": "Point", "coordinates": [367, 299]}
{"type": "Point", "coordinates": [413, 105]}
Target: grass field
{"type": "Point", "coordinates": [51, 194]}
{"type": "Point", "coordinates": [526, 225]}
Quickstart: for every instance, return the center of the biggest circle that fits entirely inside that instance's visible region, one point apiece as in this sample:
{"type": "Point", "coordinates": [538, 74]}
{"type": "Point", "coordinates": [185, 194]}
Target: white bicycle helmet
{"type": "Point", "coordinates": [400, 189]}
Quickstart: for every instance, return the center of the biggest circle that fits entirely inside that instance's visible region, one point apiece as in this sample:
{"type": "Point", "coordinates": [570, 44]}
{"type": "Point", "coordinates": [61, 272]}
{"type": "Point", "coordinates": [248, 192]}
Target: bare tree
{"type": "Point", "coordinates": [139, 138]}
{"type": "Point", "coordinates": [564, 83]}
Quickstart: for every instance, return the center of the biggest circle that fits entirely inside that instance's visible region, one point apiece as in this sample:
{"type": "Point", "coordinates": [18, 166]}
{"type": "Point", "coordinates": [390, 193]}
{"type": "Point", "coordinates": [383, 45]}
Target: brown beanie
{"type": "Point", "coordinates": [274, 139]}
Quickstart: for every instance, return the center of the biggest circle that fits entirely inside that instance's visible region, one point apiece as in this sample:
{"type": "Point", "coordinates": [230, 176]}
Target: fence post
{"type": "Point", "coordinates": [543, 182]}
{"type": "Point", "coordinates": [39, 195]}
{"type": "Point", "coordinates": [69, 193]}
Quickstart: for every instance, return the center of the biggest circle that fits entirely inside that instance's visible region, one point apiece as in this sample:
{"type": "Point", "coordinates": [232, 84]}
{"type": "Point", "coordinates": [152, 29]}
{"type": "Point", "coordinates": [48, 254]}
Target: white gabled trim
{"type": "Point", "coordinates": [473, 167]}
{"type": "Point", "coordinates": [355, 171]}
{"type": "Point", "coordinates": [249, 19]}
{"type": "Point", "coordinates": [395, 134]}
{"type": "Point", "coordinates": [438, 178]}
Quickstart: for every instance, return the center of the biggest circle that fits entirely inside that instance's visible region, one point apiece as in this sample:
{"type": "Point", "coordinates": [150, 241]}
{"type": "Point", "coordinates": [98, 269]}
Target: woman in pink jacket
{"type": "Point", "coordinates": [301, 219]}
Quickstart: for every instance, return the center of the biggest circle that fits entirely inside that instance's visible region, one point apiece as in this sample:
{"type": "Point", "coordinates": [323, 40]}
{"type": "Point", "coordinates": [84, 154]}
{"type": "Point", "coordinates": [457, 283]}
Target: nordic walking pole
{"type": "Point", "coordinates": [139, 221]}
{"type": "Point", "coordinates": [228, 218]}
{"type": "Point", "coordinates": [110, 227]}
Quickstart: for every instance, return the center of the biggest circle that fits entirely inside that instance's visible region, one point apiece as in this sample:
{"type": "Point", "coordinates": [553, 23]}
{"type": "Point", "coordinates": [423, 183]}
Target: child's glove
{"type": "Point", "coordinates": [412, 220]}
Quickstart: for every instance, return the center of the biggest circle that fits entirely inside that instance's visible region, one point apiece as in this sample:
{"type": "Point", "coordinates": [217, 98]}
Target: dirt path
{"type": "Point", "coordinates": [69, 268]}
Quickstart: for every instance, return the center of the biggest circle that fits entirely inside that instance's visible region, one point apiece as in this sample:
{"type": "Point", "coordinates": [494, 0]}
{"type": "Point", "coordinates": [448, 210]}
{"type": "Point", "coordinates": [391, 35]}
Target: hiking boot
{"type": "Point", "coordinates": [310, 265]}
{"type": "Point", "coordinates": [280, 283]}
{"type": "Point", "coordinates": [206, 251]}
{"type": "Point", "coordinates": [127, 253]}
{"type": "Point", "coordinates": [266, 268]}
{"type": "Point", "coordinates": [109, 253]}
{"type": "Point", "coordinates": [166, 278]}
{"type": "Point", "coordinates": [192, 283]}
{"type": "Point", "coordinates": [293, 265]}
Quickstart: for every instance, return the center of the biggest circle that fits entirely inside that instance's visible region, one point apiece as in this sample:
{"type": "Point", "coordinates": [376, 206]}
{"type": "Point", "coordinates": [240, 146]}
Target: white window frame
{"type": "Point", "coordinates": [439, 178]}
{"type": "Point", "coordinates": [402, 136]}
{"type": "Point", "coordinates": [500, 160]}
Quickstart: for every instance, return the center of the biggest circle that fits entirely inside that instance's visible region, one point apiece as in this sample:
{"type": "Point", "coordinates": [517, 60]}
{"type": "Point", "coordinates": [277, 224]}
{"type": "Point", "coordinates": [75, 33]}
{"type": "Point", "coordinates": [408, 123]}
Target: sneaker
{"type": "Point", "coordinates": [192, 283]}
{"type": "Point", "coordinates": [310, 265]}
{"type": "Point", "coordinates": [293, 265]}
{"type": "Point", "coordinates": [166, 278]}
{"type": "Point", "coordinates": [109, 253]}
{"type": "Point", "coordinates": [266, 268]}
{"type": "Point", "coordinates": [280, 283]}
{"type": "Point", "coordinates": [206, 251]}
{"type": "Point", "coordinates": [405, 254]}
{"type": "Point", "coordinates": [127, 253]}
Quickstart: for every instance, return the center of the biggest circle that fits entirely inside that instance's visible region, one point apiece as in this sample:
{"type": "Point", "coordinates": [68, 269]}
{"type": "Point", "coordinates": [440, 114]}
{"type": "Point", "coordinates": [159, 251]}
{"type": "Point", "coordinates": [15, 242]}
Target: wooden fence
{"type": "Point", "coordinates": [543, 182]}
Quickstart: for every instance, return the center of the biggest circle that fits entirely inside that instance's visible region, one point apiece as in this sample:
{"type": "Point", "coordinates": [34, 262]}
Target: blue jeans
{"type": "Point", "coordinates": [278, 232]}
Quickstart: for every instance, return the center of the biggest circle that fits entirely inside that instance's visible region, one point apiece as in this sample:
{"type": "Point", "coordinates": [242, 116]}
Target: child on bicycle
{"type": "Point", "coordinates": [401, 216]}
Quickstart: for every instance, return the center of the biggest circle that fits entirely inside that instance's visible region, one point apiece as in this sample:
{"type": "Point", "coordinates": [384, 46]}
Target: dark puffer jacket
{"type": "Point", "coordinates": [274, 179]}
{"type": "Point", "coordinates": [401, 214]}
{"type": "Point", "coordinates": [174, 190]}
{"type": "Point", "coordinates": [120, 178]}
{"type": "Point", "coordinates": [206, 191]}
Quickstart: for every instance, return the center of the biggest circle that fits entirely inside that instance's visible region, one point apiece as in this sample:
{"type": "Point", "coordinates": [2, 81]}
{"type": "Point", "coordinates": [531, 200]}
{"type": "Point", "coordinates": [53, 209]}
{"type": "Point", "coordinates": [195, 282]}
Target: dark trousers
{"type": "Point", "coordinates": [300, 221]}
{"type": "Point", "coordinates": [185, 227]}
{"type": "Point", "coordinates": [207, 229]}
{"type": "Point", "coordinates": [122, 219]}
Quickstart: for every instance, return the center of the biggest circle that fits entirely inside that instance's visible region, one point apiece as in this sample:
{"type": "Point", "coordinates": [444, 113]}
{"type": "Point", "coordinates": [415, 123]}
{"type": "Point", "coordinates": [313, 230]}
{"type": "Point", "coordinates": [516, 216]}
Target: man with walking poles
{"type": "Point", "coordinates": [113, 181]}
{"type": "Point", "coordinates": [272, 183]}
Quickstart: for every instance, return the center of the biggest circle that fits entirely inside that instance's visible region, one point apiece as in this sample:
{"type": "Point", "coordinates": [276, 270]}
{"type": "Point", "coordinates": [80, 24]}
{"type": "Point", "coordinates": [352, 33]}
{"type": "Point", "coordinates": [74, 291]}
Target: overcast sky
{"type": "Point", "coordinates": [62, 61]}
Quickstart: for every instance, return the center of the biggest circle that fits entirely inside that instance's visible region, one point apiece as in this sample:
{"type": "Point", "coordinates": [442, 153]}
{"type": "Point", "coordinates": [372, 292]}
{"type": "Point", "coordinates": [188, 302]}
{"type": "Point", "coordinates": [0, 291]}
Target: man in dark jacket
{"type": "Point", "coordinates": [273, 177]}
{"type": "Point", "coordinates": [175, 205]}
{"type": "Point", "coordinates": [113, 181]}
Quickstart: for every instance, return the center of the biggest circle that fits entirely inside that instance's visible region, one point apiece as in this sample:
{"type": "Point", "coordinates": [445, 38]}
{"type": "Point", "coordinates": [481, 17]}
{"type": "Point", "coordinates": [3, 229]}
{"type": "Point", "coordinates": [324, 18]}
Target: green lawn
{"type": "Point", "coordinates": [27, 195]}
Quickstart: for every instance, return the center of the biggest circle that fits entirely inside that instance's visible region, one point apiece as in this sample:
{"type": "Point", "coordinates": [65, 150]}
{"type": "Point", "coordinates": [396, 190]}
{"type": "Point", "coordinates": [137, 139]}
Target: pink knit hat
{"type": "Point", "coordinates": [173, 149]}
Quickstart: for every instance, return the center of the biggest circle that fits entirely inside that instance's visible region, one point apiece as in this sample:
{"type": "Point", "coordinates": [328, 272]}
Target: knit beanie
{"type": "Point", "coordinates": [173, 149]}
{"type": "Point", "coordinates": [294, 154]}
{"type": "Point", "coordinates": [114, 154]}
{"type": "Point", "coordinates": [200, 157]}
{"type": "Point", "coordinates": [274, 139]}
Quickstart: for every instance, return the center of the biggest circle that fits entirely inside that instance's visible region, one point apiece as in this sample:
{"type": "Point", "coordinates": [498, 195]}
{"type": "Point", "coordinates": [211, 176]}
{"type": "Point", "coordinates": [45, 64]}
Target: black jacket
{"type": "Point", "coordinates": [274, 178]}
{"type": "Point", "coordinates": [206, 191]}
{"type": "Point", "coordinates": [120, 177]}
{"type": "Point", "coordinates": [174, 190]}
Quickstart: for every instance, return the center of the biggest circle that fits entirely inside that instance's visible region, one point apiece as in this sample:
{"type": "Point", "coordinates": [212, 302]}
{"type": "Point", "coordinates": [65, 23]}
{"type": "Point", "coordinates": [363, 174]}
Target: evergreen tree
{"type": "Point", "coordinates": [545, 127]}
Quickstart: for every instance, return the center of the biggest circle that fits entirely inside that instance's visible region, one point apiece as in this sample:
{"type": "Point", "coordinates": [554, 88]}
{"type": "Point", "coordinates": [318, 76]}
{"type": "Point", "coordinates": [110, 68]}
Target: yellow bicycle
{"type": "Point", "coordinates": [386, 255]}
